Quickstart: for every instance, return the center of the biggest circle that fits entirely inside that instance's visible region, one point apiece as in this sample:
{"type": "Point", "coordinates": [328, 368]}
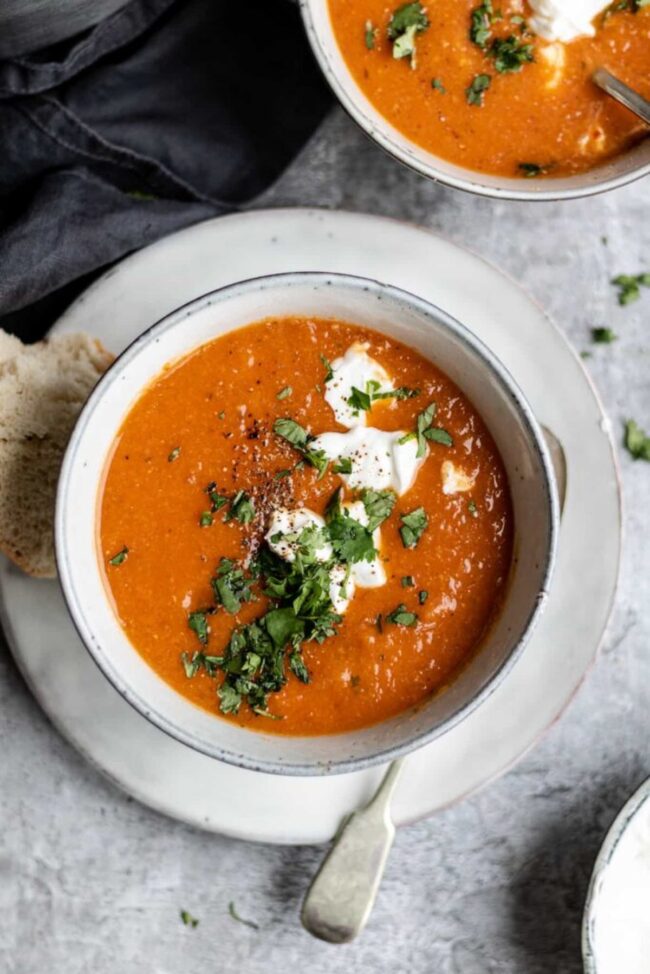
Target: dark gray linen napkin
{"type": "Point", "coordinates": [168, 112]}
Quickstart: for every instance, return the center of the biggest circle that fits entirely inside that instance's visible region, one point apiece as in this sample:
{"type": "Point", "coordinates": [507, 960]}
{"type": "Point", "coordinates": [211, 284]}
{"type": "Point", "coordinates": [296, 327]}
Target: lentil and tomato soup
{"type": "Point", "coordinates": [206, 458]}
{"type": "Point", "coordinates": [474, 85]}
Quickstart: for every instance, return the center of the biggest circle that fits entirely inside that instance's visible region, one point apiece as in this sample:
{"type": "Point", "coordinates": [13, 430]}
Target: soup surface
{"type": "Point", "coordinates": [209, 466]}
{"type": "Point", "coordinates": [482, 91]}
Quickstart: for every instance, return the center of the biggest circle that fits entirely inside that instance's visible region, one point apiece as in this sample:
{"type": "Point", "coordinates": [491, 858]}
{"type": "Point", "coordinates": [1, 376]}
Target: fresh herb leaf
{"type": "Point", "coordinates": [359, 401]}
{"type": "Point", "coordinates": [379, 505]}
{"type": "Point", "coordinates": [477, 88]}
{"type": "Point", "coordinates": [408, 581]}
{"type": "Point", "coordinates": [402, 392]}
{"type": "Point", "coordinates": [120, 557]}
{"type": "Point", "coordinates": [369, 35]}
{"type": "Point", "coordinates": [241, 508]}
{"type": "Point", "coordinates": [298, 668]}
{"type": "Point", "coordinates": [637, 442]}
{"type": "Point", "coordinates": [230, 586]}
{"type": "Point", "coordinates": [350, 540]}
{"type": "Point", "coordinates": [402, 617]}
{"type": "Point", "coordinates": [329, 372]}
{"type": "Point", "coordinates": [437, 85]}
{"type": "Point", "coordinates": [510, 54]}
{"type": "Point", "coordinates": [481, 23]}
{"type": "Point", "coordinates": [423, 595]}
{"type": "Point", "coordinates": [235, 915]}
{"type": "Point", "coordinates": [343, 465]}
{"type": "Point", "coordinates": [217, 500]}
{"type": "Point", "coordinates": [189, 920]}
{"type": "Point", "coordinates": [174, 455]}
{"type": "Point", "coordinates": [198, 623]}
{"type": "Point", "coordinates": [230, 699]}
{"type": "Point", "coordinates": [438, 435]}
{"type": "Point", "coordinates": [406, 22]}
{"type": "Point", "coordinates": [629, 286]}
{"type": "Point", "coordinates": [413, 527]}
{"type": "Point", "coordinates": [530, 170]}
{"type": "Point", "coordinates": [206, 519]}
{"type": "Point", "coordinates": [191, 664]}
{"type": "Point", "coordinates": [603, 336]}
{"type": "Point", "coordinates": [292, 432]}
{"type": "Point", "coordinates": [284, 393]}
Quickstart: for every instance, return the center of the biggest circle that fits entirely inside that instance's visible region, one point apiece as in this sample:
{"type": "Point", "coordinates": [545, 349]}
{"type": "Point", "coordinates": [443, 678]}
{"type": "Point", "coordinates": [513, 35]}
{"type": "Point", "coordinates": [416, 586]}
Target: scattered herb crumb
{"type": "Point", "coordinates": [120, 557]}
{"type": "Point", "coordinates": [369, 35]}
{"type": "Point", "coordinates": [629, 286]}
{"type": "Point", "coordinates": [437, 85]}
{"type": "Point", "coordinates": [232, 910]}
{"type": "Point", "coordinates": [221, 414]}
{"type": "Point", "coordinates": [472, 508]}
{"type": "Point", "coordinates": [531, 169]}
{"type": "Point", "coordinates": [189, 920]}
{"type": "Point", "coordinates": [206, 519]}
{"type": "Point", "coordinates": [413, 526]}
{"type": "Point", "coordinates": [476, 89]}
{"type": "Point", "coordinates": [603, 336]}
{"type": "Point", "coordinates": [284, 393]}
{"type": "Point", "coordinates": [402, 617]}
{"type": "Point", "coordinates": [408, 581]}
{"type": "Point", "coordinates": [423, 595]}
{"type": "Point", "coordinates": [174, 455]}
{"type": "Point", "coordinates": [585, 353]}
{"type": "Point", "coordinates": [406, 22]}
{"type": "Point", "coordinates": [637, 442]}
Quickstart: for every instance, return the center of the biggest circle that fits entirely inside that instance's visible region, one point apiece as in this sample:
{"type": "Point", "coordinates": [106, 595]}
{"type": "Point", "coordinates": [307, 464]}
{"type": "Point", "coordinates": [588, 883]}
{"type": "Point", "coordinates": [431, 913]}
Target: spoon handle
{"type": "Point", "coordinates": [623, 93]}
{"type": "Point", "coordinates": [340, 898]}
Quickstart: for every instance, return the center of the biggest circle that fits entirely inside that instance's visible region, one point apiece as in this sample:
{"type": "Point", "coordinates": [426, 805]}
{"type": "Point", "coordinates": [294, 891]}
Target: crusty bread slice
{"type": "Point", "coordinates": [42, 390]}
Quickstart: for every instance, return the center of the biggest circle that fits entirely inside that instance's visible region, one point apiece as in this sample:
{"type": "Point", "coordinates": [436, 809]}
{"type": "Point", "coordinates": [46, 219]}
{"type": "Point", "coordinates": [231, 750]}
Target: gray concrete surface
{"type": "Point", "coordinates": [92, 883]}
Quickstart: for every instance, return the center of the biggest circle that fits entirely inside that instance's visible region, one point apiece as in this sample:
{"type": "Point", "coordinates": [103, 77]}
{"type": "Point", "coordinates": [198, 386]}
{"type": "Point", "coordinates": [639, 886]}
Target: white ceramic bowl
{"type": "Point", "coordinates": [606, 920]}
{"type": "Point", "coordinates": [625, 168]}
{"type": "Point", "coordinates": [386, 309]}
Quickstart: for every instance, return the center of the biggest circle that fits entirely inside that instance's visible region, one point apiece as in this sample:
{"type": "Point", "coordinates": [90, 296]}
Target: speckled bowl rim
{"type": "Point", "coordinates": [79, 615]}
{"type": "Point", "coordinates": [471, 183]}
{"type": "Point", "coordinates": [632, 807]}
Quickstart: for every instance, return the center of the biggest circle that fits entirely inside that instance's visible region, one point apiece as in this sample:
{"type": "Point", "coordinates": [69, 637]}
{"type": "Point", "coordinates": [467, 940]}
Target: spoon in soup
{"type": "Point", "coordinates": [342, 894]}
{"type": "Point", "coordinates": [623, 93]}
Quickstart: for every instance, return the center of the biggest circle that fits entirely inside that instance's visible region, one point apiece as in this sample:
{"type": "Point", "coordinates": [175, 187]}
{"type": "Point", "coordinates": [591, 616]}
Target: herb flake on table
{"type": "Point", "coordinates": [120, 557]}
{"type": "Point", "coordinates": [637, 442]}
{"type": "Point", "coordinates": [629, 286]}
{"type": "Point", "coordinates": [603, 336]}
{"type": "Point", "coordinates": [232, 910]}
{"type": "Point", "coordinates": [413, 527]}
{"type": "Point", "coordinates": [188, 919]}
{"type": "Point", "coordinates": [476, 89]}
{"type": "Point", "coordinates": [406, 22]}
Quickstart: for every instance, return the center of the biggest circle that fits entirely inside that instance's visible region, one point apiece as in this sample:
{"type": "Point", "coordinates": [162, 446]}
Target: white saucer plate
{"type": "Point", "coordinates": [175, 780]}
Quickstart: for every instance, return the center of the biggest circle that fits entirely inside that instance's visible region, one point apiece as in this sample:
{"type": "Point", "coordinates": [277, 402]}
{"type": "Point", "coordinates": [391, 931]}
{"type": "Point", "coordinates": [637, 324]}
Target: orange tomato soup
{"type": "Point", "coordinates": [207, 423]}
{"type": "Point", "coordinates": [538, 114]}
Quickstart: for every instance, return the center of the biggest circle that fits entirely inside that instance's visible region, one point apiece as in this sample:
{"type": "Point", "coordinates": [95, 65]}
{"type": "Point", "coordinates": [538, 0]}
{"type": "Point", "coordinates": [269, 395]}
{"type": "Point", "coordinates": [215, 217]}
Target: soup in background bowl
{"type": "Point", "coordinates": [490, 97]}
{"type": "Point", "coordinates": [306, 523]}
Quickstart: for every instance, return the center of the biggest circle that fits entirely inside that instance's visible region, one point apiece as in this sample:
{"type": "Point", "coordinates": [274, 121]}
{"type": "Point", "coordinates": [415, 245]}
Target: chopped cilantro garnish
{"type": "Point", "coordinates": [531, 169]}
{"type": "Point", "coordinates": [425, 431]}
{"type": "Point", "coordinates": [477, 88]}
{"type": "Point", "coordinates": [358, 400]}
{"type": "Point", "coordinates": [413, 527]}
{"type": "Point", "coordinates": [284, 393]}
{"type": "Point", "coordinates": [329, 373]}
{"type": "Point", "coordinates": [235, 915]}
{"type": "Point", "coordinates": [423, 595]}
{"type": "Point", "coordinates": [379, 505]}
{"type": "Point", "coordinates": [437, 435]}
{"type": "Point", "coordinates": [406, 22]}
{"type": "Point", "coordinates": [241, 508]}
{"type": "Point", "coordinates": [402, 617]}
{"type": "Point", "coordinates": [510, 54]}
{"type": "Point", "coordinates": [174, 455]}
{"type": "Point", "coordinates": [230, 586]}
{"type": "Point", "coordinates": [350, 540]}
{"type": "Point", "coordinates": [343, 465]}
{"type": "Point", "coordinates": [437, 85]}
{"type": "Point", "coordinates": [408, 581]}
{"type": "Point", "coordinates": [369, 35]}
{"type": "Point", "coordinates": [603, 336]}
{"type": "Point", "coordinates": [217, 500]}
{"type": "Point", "coordinates": [298, 668]}
{"type": "Point", "coordinates": [402, 392]}
{"type": "Point", "coordinates": [198, 623]}
{"type": "Point", "coordinates": [189, 920]}
{"type": "Point", "coordinates": [637, 442]}
{"type": "Point", "coordinates": [480, 24]}
{"type": "Point", "coordinates": [291, 431]}
{"type": "Point", "coordinates": [206, 519]}
{"type": "Point", "coordinates": [120, 557]}
{"type": "Point", "coordinates": [629, 286]}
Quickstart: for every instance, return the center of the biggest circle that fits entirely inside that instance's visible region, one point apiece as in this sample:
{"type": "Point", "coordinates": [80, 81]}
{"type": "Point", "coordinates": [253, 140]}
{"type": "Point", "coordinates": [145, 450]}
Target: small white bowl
{"type": "Point", "coordinates": [386, 309]}
{"type": "Point", "coordinates": [628, 837]}
{"type": "Point", "coordinates": [617, 172]}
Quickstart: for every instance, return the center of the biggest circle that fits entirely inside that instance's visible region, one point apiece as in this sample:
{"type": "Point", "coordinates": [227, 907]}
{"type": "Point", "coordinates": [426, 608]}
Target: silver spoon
{"type": "Point", "coordinates": [342, 894]}
{"type": "Point", "coordinates": [623, 93]}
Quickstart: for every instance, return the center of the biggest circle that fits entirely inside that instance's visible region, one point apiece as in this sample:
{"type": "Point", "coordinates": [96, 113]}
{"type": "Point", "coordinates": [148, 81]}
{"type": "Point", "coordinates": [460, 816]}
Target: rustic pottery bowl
{"type": "Point", "coordinates": [616, 172]}
{"type": "Point", "coordinates": [411, 320]}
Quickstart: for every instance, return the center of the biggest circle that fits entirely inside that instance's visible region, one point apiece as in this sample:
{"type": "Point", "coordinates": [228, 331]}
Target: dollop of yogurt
{"type": "Point", "coordinates": [564, 20]}
{"type": "Point", "coordinates": [354, 370]}
{"type": "Point", "coordinates": [380, 461]}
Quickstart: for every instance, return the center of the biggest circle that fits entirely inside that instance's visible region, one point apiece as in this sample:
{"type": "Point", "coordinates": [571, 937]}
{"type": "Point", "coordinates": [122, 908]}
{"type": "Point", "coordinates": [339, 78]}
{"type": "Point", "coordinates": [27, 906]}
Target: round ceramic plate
{"type": "Point", "coordinates": [180, 782]}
